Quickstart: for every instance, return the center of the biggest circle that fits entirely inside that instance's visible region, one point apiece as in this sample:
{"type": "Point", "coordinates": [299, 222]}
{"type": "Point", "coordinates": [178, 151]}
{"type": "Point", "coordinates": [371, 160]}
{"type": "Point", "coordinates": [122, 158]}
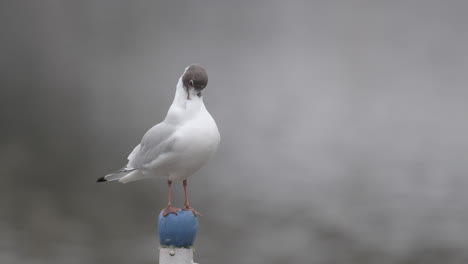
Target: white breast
{"type": "Point", "coordinates": [196, 142]}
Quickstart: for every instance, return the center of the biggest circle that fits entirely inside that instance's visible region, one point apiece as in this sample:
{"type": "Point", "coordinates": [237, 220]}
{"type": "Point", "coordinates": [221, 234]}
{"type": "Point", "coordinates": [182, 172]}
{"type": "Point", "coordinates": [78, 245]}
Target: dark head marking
{"type": "Point", "coordinates": [195, 76]}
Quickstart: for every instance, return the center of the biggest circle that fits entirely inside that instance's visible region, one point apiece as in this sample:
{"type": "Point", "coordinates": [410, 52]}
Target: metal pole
{"type": "Point", "coordinates": [176, 235]}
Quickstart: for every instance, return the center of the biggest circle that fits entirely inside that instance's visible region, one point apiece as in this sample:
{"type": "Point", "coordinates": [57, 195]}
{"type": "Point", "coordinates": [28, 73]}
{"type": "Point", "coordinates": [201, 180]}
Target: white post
{"type": "Point", "coordinates": [169, 255]}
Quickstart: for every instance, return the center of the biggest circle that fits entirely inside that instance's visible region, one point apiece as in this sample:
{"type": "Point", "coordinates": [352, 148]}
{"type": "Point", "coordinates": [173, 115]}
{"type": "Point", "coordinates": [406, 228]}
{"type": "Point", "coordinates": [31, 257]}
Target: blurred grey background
{"type": "Point", "coordinates": [343, 123]}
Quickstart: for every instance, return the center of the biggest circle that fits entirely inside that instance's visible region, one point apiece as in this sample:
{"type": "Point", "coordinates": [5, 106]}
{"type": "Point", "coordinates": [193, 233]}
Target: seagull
{"type": "Point", "coordinates": [180, 145]}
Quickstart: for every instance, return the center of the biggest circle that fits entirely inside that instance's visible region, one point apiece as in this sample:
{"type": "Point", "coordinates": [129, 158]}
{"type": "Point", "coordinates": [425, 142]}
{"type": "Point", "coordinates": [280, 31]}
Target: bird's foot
{"type": "Point", "coordinates": [189, 208]}
{"type": "Point", "coordinates": [170, 209]}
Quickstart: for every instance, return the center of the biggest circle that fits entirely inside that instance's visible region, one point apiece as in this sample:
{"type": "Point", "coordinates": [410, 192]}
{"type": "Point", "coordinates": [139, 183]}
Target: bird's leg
{"type": "Point", "coordinates": [170, 209]}
{"type": "Point", "coordinates": [187, 204]}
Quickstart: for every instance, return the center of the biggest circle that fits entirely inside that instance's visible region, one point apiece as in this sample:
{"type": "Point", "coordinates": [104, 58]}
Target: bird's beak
{"type": "Point", "coordinates": [188, 92]}
{"type": "Point", "coordinates": [190, 85]}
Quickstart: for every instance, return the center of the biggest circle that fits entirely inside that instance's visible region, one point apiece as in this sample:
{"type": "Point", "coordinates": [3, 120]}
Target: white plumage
{"type": "Point", "coordinates": [180, 145]}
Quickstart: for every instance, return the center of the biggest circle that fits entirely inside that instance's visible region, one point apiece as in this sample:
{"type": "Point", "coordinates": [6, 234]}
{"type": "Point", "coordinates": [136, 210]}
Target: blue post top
{"type": "Point", "coordinates": [177, 230]}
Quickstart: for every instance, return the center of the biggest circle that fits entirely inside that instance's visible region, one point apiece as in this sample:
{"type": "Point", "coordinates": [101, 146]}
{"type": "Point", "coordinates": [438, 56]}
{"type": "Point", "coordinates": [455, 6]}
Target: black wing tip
{"type": "Point", "coordinates": [101, 180]}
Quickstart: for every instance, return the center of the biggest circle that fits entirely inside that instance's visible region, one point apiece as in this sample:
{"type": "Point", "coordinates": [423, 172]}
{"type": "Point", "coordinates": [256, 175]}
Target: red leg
{"type": "Point", "coordinates": [187, 204]}
{"type": "Point", "coordinates": [170, 209]}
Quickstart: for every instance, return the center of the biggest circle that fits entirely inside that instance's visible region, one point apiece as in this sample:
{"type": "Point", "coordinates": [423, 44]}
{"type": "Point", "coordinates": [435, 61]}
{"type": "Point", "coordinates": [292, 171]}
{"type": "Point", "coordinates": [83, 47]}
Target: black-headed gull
{"type": "Point", "coordinates": [180, 145]}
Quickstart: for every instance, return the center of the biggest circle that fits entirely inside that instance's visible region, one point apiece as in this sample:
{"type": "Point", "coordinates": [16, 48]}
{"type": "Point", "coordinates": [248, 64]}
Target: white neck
{"type": "Point", "coordinates": [184, 106]}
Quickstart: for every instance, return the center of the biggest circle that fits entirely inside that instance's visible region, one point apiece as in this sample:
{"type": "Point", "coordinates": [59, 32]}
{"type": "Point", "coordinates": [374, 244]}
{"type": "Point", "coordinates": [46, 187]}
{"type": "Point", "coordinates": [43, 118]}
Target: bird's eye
{"type": "Point", "coordinates": [199, 94]}
{"type": "Point", "coordinates": [191, 83]}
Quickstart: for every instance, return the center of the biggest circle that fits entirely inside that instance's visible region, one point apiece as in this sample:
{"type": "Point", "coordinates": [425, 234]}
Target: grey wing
{"type": "Point", "coordinates": [157, 141]}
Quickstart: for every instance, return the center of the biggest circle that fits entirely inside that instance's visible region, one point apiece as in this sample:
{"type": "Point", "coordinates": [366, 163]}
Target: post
{"type": "Point", "coordinates": [176, 235]}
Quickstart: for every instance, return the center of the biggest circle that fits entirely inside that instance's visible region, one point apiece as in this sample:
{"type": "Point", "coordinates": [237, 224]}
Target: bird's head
{"type": "Point", "coordinates": [194, 80]}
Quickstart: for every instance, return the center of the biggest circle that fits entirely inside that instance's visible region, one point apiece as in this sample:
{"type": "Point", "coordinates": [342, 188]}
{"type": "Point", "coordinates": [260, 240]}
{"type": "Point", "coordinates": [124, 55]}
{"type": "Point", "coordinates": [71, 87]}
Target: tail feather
{"type": "Point", "coordinates": [133, 176]}
{"type": "Point", "coordinates": [116, 175]}
{"type": "Point", "coordinates": [101, 179]}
